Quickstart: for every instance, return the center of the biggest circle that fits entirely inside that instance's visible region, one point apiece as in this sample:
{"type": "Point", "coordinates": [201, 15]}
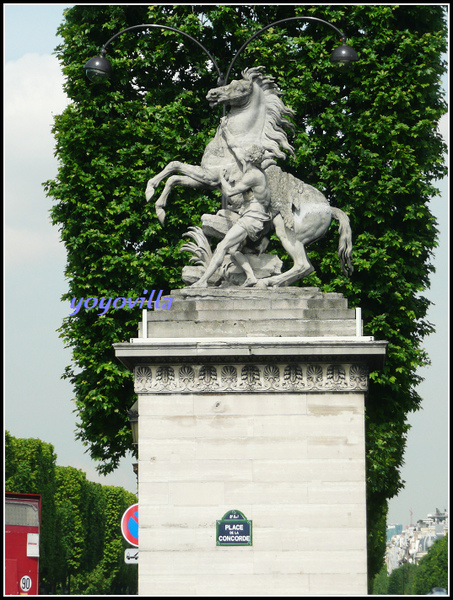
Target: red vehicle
{"type": "Point", "coordinates": [22, 528]}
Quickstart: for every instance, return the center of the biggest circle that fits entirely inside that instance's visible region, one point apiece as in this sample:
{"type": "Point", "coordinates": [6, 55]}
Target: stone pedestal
{"type": "Point", "coordinates": [252, 401]}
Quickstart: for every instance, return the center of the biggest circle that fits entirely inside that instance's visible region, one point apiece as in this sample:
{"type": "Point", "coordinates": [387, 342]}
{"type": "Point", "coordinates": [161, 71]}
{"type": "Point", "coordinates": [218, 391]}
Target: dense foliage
{"type": "Point", "coordinates": [81, 545]}
{"type": "Point", "coordinates": [416, 579]}
{"type": "Point", "coordinates": [433, 569]}
{"type": "Point", "coordinates": [367, 137]}
{"type": "Point", "coordinates": [30, 469]}
{"type": "Point", "coordinates": [400, 581]}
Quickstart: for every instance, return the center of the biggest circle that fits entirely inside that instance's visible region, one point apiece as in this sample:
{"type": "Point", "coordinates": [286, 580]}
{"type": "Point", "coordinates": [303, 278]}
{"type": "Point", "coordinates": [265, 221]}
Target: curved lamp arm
{"type": "Point", "coordinates": [343, 53]}
{"type": "Point", "coordinates": [99, 68]}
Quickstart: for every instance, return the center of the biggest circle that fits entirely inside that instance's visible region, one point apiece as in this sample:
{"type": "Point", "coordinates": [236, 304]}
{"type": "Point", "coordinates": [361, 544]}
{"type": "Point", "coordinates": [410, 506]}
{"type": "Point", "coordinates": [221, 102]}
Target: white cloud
{"type": "Point", "coordinates": [26, 246]}
{"type": "Point", "coordinates": [33, 94]}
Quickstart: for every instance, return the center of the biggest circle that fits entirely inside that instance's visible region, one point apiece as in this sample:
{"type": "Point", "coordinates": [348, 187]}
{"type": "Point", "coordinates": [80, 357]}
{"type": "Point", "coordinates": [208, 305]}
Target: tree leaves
{"type": "Point", "coordinates": [80, 539]}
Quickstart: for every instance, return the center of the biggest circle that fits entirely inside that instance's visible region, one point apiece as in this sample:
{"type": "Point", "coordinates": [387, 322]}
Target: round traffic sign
{"type": "Point", "coordinates": [25, 583]}
{"type": "Point", "coordinates": [129, 525]}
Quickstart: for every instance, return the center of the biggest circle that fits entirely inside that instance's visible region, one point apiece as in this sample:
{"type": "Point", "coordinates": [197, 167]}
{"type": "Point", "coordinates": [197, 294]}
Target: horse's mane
{"type": "Point", "coordinates": [274, 135]}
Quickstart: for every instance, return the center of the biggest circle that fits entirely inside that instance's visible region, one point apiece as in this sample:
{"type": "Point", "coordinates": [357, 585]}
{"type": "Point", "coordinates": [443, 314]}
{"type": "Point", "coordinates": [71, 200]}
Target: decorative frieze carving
{"type": "Point", "coordinates": [292, 377]}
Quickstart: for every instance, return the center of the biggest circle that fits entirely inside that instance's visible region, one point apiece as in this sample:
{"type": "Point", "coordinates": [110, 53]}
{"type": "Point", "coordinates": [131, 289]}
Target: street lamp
{"type": "Point", "coordinates": [99, 69]}
{"type": "Point", "coordinates": [343, 54]}
{"type": "Point", "coordinates": [133, 419]}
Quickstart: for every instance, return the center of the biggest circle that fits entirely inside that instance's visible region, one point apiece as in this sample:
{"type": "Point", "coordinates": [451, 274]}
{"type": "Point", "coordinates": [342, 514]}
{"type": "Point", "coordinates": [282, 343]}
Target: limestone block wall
{"type": "Point", "coordinates": [253, 401]}
{"type": "Point", "coordinates": [293, 463]}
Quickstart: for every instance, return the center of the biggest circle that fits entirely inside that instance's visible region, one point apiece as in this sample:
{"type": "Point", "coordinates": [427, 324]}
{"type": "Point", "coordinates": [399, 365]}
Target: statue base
{"type": "Point", "coordinates": [251, 443]}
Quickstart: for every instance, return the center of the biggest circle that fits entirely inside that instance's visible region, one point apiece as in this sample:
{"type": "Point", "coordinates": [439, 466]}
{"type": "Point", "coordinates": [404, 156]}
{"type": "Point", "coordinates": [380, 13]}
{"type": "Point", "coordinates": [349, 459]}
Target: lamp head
{"type": "Point", "coordinates": [344, 54]}
{"type": "Point", "coordinates": [133, 419]}
{"type": "Point", "coordinates": [98, 69]}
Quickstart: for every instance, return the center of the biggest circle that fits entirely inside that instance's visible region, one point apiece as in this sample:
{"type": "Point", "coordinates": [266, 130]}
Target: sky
{"type": "Point", "coordinates": [38, 403]}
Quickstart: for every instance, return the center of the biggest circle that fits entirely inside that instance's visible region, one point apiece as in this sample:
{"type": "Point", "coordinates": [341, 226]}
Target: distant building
{"type": "Point", "coordinates": [414, 542]}
{"type": "Point", "coordinates": [393, 530]}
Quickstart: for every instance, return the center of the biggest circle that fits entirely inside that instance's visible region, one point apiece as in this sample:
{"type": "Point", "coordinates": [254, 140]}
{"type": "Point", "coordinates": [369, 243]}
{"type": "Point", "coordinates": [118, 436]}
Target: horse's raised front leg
{"type": "Point", "coordinates": [171, 183]}
{"type": "Point", "coordinates": [195, 172]}
{"type": "Point", "coordinates": [154, 182]}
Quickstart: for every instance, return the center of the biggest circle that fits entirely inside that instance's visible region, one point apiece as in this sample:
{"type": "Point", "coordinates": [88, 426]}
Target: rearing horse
{"type": "Point", "coordinates": [301, 214]}
{"type": "Point", "coordinates": [257, 116]}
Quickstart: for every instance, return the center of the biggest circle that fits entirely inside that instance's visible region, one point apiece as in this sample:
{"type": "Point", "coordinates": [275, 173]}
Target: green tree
{"type": "Point", "coordinates": [111, 575]}
{"type": "Point", "coordinates": [432, 569]}
{"type": "Point", "coordinates": [81, 523]}
{"type": "Point", "coordinates": [124, 576]}
{"type": "Point", "coordinates": [92, 546]}
{"type": "Point", "coordinates": [30, 469]}
{"type": "Point", "coordinates": [367, 138]}
{"type": "Point", "coordinates": [71, 485]}
{"type": "Point", "coordinates": [81, 545]}
{"type": "Point", "coordinates": [10, 459]}
{"type": "Point", "coordinates": [381, 582]}
{"type": "Point", "coordinates": [401, 580]}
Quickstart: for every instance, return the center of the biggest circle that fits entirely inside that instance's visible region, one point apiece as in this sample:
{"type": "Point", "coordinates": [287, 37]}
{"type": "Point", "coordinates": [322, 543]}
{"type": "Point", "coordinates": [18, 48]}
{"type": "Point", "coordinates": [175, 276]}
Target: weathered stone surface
{"type": "Point", "coordinates": [191, 274]}
{"type": "Point", "coordinates": [218, 225]}
{"type": "Point", "coordinates": [246, 327]}
{"type": "Point", "coordinates": [213, 312]}
{"type": "Point", "coordinates": [252, 400]}
{"type": "Point", "coordinates": [294, 466]}
{"type": "Point", "coordinates": [263, 265]}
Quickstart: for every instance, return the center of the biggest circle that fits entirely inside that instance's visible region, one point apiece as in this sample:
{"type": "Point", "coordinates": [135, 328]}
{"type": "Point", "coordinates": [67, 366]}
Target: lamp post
{"type": "Point", "coordinates": [99, 69]}
{"type": "Point", "coordinates": [133, 419]}
{"type": "Point", "coordinates": [342, 54]}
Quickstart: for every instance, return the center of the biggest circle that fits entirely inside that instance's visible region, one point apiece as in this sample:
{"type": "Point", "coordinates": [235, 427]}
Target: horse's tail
{"type": "Point", "coordinates": [345, 243]}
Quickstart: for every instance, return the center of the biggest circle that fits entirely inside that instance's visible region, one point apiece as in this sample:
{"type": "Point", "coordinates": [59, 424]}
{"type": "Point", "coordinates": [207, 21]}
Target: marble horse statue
{"type": "Point", "coordinates": [257, 118]}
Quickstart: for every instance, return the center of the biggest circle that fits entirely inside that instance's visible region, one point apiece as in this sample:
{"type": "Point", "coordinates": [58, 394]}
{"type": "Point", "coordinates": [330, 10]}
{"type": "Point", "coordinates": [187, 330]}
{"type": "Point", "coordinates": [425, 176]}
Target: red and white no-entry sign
{"type": "Point", "coordinates": [129, 525]}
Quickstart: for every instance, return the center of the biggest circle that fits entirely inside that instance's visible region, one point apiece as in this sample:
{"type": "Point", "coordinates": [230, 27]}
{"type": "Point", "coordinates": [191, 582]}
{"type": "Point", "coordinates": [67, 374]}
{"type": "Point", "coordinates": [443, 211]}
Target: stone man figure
{"type": "Point", "coordinates": [253, 213]}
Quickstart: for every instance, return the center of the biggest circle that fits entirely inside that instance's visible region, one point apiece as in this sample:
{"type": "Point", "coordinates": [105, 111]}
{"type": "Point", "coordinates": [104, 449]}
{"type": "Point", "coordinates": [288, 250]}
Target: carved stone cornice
{"type": "Point", "coordinates": [263, 350]}
{"type": "Point", "coordinates": [250, 378]}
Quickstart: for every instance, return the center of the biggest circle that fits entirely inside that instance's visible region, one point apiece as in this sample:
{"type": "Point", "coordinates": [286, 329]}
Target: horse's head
{"type": "Point", "coordinates": [235, 93]}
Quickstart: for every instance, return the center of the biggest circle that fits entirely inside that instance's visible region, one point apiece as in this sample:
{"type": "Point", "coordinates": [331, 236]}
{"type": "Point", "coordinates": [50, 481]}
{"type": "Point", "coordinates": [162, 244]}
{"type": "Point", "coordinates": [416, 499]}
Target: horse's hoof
{"type": "Point", "coordinates": [264, 283]}
{"type": "Point", "coordinates": [149, 193]}
{"type": "Point", "coordinates": [160, 214]}
{"type": "Point", "coordinates": [250, 283]}
{"type": "Point", "coordinates": [260, 285]}
{"type": "Point", "coordinates": [197, 284]}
